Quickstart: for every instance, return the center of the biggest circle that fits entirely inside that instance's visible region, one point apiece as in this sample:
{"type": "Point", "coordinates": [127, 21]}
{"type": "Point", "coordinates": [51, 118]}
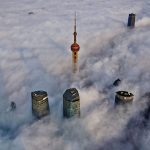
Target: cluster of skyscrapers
{"type": "Point", "coordinates": [71, 103]}
{"type": "Point", "coordinates": [71, 98]}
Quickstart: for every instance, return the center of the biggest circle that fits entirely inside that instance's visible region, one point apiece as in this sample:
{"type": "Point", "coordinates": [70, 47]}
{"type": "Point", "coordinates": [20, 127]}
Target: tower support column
{"type": "Point", "coordinates": [75, 62]}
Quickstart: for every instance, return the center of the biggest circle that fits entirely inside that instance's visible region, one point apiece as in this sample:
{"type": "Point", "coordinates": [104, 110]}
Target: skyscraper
{"type": "Point", "coordinates": [123, 97]}
{"type": "Point", "coordinates": [71, 103]}
{"type": "Point", "coordinates": [131, 20]}
{"type": "Point", "coordinates": [40, 106]}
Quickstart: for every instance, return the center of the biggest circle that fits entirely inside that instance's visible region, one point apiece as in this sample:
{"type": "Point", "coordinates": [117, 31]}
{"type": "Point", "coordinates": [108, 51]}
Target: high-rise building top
{"type": "Point", "coordinates": [39, 95]}
{"type": "Point", "coordinates": [71, 103]}
{"type": "Point", "coordinates": [123, 97]}
{"type": "Point", "coordinates": [131, 20]}
{"type": "Point", "coordinates": [40, 106]}
{"type": "Point", "coordinates": [71, 94]}
{"type": "Point", "coordinates": [124, 94]}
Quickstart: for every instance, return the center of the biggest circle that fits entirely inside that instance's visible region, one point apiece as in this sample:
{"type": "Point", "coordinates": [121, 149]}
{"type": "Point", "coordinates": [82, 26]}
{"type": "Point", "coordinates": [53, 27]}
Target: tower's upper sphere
{"type": "Point", "coordinates": [75, 47]}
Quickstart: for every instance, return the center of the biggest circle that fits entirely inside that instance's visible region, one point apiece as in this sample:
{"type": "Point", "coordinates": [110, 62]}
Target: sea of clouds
{"type": "Point", "coordinates": [35, 55]}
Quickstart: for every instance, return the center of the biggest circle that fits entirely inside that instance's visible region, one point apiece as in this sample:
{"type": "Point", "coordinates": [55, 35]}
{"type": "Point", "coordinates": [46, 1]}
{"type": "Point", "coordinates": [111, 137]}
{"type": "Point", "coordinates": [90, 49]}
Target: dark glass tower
{"type": "Point", "coordinates": [71, 103]}
{"type": "Point", "coordinates": [131, 20]}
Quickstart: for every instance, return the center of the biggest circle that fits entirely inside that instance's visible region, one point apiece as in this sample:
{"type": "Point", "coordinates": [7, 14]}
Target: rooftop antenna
{"type": "Point", "coordinates": [75, 33]}
{"type": "Point", "coordinates": [75, 22]}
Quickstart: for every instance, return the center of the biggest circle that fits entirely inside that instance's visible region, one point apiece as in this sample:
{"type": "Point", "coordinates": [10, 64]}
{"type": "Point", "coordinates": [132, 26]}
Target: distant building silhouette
{"type": "Point", "coordinates": [30, 13]}
{"type": "Point", "coordinates": [117, 82]}
{"type": "Point", "coordinates": [131, 20]}
{"type": "Point", "coordinates": [40, 106]}
{"type": "Point", "coordinates": [146, 111]}
{"type": "Point", "coordinates": [71, 103]}
{"type": "Point", "coordinates": [12, 106]}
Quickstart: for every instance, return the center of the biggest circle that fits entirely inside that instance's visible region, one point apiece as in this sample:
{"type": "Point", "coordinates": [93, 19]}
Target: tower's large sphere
{"type": "Point", "coordinates": [75, 47]}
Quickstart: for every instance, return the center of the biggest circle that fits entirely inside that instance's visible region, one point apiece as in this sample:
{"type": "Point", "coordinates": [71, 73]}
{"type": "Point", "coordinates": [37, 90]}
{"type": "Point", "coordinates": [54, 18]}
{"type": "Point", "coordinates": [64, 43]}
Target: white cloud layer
{"type": "Point", "coordinates": [35, 54]}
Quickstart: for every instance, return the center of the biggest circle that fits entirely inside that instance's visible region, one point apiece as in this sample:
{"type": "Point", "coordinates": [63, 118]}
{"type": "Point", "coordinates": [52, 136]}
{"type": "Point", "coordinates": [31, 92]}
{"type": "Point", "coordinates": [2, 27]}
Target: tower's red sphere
{"type": "Point", "coordinates": [75, 47]}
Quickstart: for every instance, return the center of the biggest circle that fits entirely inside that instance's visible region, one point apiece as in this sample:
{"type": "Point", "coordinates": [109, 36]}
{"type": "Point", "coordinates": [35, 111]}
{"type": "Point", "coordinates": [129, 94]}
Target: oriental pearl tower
{"type": "Point", "coordinates": [75, 49]}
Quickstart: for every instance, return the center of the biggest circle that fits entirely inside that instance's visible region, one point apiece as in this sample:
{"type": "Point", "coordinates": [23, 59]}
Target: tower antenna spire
{"type": "Point", "coordinates": [75, 32]}
{"type": "Point", "coordinates": [75, 22]}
